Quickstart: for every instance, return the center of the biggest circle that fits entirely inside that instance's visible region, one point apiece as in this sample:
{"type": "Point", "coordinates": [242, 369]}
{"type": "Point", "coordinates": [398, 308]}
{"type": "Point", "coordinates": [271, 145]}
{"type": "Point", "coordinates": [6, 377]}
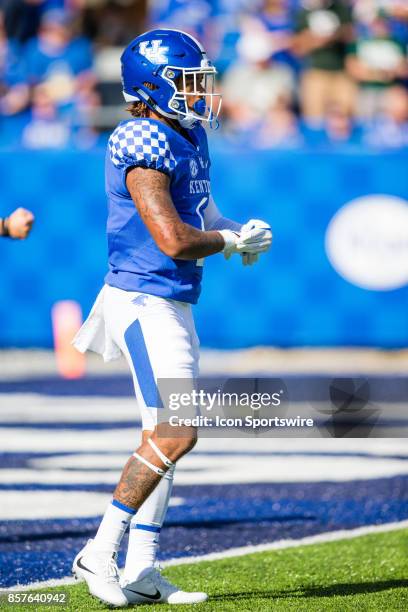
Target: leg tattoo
{"type": "Point", "coordinates": [136, 483]}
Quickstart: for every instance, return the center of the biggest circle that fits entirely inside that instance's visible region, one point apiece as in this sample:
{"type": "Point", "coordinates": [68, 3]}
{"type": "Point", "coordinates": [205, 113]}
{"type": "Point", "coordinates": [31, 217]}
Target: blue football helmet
{"type": "Point", "coordinates": [176, 69]}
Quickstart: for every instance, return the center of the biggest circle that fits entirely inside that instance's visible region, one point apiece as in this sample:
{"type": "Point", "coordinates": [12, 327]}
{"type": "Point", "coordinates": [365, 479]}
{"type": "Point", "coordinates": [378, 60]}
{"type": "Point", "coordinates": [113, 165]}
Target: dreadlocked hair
{"type": "Point", "coordinates": [139, 109]}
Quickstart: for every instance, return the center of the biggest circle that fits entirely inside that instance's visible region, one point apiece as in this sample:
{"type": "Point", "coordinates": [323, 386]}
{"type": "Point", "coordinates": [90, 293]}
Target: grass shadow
{"type": "Point", "coordinates": [339, 589]}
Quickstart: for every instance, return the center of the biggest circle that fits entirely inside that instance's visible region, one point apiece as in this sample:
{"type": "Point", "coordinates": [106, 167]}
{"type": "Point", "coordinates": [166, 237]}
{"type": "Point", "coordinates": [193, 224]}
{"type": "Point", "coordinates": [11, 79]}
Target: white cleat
{"type": "Point", "coordinates": [154, 588]}
{"type": "Point", "coordinates": [100, 572]}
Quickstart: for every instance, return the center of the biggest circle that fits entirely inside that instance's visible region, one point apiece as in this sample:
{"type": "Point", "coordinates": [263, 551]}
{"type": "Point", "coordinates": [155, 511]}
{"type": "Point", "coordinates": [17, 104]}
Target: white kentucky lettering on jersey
{"type": "Point", "coordinates": [154, 51]}
{"type": "Point", "coordinates": [200, 186]}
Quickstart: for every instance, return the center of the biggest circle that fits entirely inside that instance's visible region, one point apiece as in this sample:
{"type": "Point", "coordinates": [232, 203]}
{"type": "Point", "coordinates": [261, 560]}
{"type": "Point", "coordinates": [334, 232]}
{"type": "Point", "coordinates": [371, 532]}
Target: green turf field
{"type": "Point", "coordinates": [368, 573]}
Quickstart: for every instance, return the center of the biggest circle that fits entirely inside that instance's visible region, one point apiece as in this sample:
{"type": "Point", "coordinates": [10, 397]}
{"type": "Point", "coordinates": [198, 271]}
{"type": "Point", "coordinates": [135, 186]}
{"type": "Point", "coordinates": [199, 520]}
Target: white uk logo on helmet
{"type": "Point", "coordinates": [154, 51]}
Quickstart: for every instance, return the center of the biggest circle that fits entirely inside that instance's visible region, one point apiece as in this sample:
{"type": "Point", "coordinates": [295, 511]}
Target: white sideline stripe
{"type": "Point", "coordinates": [35, 408]}
{"type": "Point", "coordinates": [32, 505]}
{"type": "Point", "coordinates": [321, 538]}
{"type": "Point", "coordinates": [28, 440]}
{"type": "Point", "coordinates": [31, 408]}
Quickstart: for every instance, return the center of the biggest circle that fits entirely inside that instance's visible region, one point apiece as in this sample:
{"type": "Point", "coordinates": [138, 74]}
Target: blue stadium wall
{"type": "Point", "coordinates": [293, 297]}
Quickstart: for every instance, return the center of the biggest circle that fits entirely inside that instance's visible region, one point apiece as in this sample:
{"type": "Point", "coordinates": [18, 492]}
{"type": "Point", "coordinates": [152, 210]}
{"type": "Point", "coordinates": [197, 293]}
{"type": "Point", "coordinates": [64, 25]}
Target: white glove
{"type": "Point", "coordinates": [249, 258]}
{"type": "Point", "coordinates": [254, 237]}
{"type": "Point", "coordinates": [257, 231]}
{"type": "Point", "coordinates": [231, 240]}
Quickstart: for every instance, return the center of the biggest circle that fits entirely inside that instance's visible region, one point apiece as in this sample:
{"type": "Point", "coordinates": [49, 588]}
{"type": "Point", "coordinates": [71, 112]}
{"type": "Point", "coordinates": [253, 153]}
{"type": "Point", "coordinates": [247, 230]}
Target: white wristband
{"type": "Point", "coordinates": [230, 239]}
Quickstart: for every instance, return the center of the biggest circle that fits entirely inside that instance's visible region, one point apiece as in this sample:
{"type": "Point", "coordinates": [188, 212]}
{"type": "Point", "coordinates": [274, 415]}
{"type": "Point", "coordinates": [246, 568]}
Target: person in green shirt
{"type": "Point", "coordinates": [323, 30]}
{"type": "Point", "coordinates": [377, 61]}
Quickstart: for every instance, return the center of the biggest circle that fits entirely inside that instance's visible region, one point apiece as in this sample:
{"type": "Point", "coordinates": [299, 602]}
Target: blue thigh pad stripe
{"type": "Point", "coordinates": [141, 363]}
{"type": "Point", "coordinates": [152, 528]}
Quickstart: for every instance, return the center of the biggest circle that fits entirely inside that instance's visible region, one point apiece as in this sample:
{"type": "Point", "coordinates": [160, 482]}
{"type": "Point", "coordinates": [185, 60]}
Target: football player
{"type": "Point", "coordinates": [162, 223]}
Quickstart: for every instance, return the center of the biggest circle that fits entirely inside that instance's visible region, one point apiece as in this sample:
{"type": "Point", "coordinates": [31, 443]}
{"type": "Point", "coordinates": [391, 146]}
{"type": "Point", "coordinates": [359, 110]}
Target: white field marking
{"type": "Point", "coordinates": [15, 439]}
{"type": "Point", "coordinates": [21, 505]}
{"type": "Point", "coordinates": [370, 446]}
{"type": "Point", "coordinates": [31, 505]}
{"type": "Point", "coordinates": [271, 361]}
{"type": "Point", "coordinates": [34, 408]}
{"type": "Point", "coordinates": [321, 538]}
{"type": "Point", "coordinates": [211, 469]}
{"type": "Point", "coordinates": [197, 462]}
{"type": "Point", "coordinates": [57, 477]}
{"type": "Point", "coordinates": [30, 440]}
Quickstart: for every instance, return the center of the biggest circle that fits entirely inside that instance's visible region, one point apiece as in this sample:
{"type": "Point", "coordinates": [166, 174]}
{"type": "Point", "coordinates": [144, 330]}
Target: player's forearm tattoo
{"type": "Point", "coordinates": [150, 192]}
{"type": "Point", "coordinates": [136, 484]}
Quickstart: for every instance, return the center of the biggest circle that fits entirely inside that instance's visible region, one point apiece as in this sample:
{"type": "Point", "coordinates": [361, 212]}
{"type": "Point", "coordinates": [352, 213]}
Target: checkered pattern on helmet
{"type": "Point", "coordinates": [141, 141]}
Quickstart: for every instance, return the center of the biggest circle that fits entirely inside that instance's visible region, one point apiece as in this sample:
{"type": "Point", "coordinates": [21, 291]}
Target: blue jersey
{"type": "Point", "coordinates": [135, 261]}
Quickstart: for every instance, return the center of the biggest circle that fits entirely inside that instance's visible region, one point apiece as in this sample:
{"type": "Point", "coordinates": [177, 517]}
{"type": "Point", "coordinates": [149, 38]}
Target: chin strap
{"type": "Point", "coordinates": [187, 122]}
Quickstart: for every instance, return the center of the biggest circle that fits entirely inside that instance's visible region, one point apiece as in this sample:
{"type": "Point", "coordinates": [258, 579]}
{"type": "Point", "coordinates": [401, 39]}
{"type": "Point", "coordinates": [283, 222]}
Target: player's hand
{"type": "Point", "coordinates": [264, 239]}
{"type": "Point", "coordinates": [19, 223]}
{"type": "Point", "coordinates": [254, 237]}
{"type": "Point", "coordinates": [257, 233]}
{"type": "Point", "coordinates": [248, 259]}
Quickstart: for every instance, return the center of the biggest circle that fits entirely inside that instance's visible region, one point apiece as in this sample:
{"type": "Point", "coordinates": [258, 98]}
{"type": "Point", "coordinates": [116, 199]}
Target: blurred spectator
{"type": "Point", "coordinates": [339, 126]}
{"type": "Point", "coordinates": [264, 48]}
{"type": "Point", "coordinates": [338, 129]}
{"type": "Point", "coordinates": [276, 17]}
{"type": "Point", "coordinates": [230, 19]}
{"type": "Point", "coordinates": [113, 22]}
{"type": "Point", "coordinates": [377, 61]}
{"type": "Point", "coordinates": [254, 84]}
{"type": "Point", "coordinates": [13, 88]}
{"type": "Point", "coordinates": [22, 18]}
{"type": "Point", "coordinates": [182, 15]}
{"type": "Point", "coordinates": [390, 130]}
{"type": "Point", "coordinates": [324, 27]}
{"type": "Point", "coordinates": [365, 9]}
{"type": "Point", "coordinates": [50, 127]}
{"type": "Point", "coordinates": [221, 36]}
{"type": "Point", "coordinates": [45, 129]}
{"type": "Point", "coordinates": [278, 129]}
{"type": "Point", "coordinates": [399, 10]}
{"type": "Point", "coordinates": [60, 60]}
